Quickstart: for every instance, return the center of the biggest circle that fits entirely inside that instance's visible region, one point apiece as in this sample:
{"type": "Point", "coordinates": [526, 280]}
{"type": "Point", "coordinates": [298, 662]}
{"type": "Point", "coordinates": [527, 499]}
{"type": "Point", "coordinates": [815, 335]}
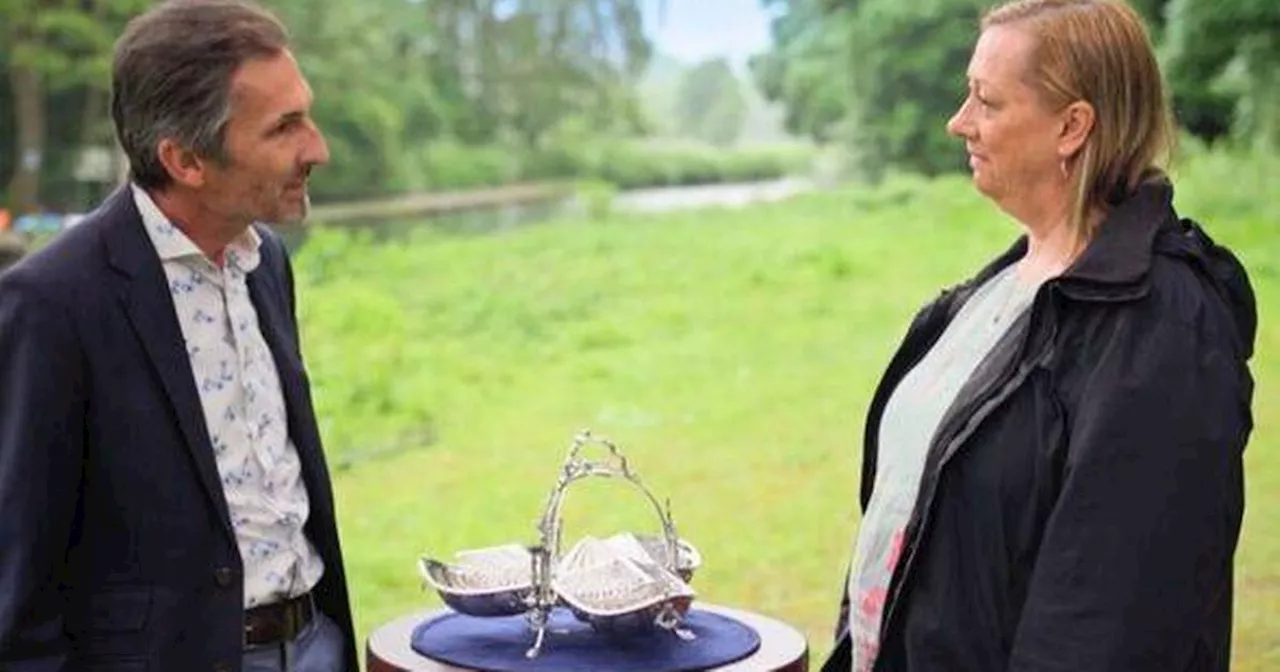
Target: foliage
{"type": "Point", "coordinates": [1223, 58]}
{"type": "Point", "coordinates": [630, 165]}
{"type": "Point", "coordinates": [597, 199]}
{"type": "Point", "coordinates": [455, 92]}
{"type": "Point", "coordinates": [807, 70]}
{"type": "Point", "coordinates": [881, 74]}
{"type": "Point", "coordinates": [884, 75]}
{"type": "Point", "coordinates": [732, 354]}
{"type": "Point", "coordinates": [710, 104]}
{"type": "Point", "coordinates": [627, 164]}
{"type": "Point", "coordinates": [902, 97]}
{"type": "Point", "coordinates": [403, 87]}
{"type": "Point", "coordinates": [52, 53]}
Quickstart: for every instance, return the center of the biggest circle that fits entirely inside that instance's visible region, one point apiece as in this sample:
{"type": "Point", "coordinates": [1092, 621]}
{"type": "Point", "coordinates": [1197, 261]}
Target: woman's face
{"type": "Point", "coordinates": [1012, 137]}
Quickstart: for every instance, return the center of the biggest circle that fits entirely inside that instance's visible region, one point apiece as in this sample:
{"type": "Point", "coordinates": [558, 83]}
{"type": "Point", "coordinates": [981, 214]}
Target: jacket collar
{"type": "Point", "coordinates": [1118, 259]}
{"type": "Point", "coordinates": [1115, 265]}
{"type": "Point", "coordinates": [128, 250]}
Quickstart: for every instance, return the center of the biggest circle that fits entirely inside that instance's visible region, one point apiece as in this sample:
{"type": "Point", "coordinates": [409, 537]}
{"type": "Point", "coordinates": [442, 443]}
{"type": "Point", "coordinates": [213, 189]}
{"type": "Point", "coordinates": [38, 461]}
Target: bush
{"type": "Point", "coordinates": [597, 199]}
{"type": "Point", "coordinates": [450, 165]}
{"type": "Point", "coordinates": [632, 165]}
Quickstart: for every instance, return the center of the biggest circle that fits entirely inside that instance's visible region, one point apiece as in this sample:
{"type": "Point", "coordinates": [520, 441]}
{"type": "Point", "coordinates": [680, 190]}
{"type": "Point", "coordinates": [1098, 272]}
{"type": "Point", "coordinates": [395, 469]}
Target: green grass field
{"type": "Point", "coordinates": [731, 353]}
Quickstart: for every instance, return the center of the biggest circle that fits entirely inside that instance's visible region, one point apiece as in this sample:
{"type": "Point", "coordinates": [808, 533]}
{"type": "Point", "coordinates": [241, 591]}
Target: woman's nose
{"type": "Point", "coordinates": [954, 123]}
{"type": "Point", "coordinates": [958, 125]}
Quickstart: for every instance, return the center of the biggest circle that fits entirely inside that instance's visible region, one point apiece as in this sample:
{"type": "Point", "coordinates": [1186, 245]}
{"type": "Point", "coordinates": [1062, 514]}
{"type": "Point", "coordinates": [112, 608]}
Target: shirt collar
{"type": "Point", "coordinates": [172, 244]}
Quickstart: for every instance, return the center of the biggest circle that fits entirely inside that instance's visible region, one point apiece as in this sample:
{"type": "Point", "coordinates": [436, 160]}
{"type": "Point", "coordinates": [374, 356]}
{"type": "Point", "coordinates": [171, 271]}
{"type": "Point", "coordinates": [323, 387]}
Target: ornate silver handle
{"type": "Point", "coordinates": [615, 465]}
{"type": "Point", "coordinates": [546, 555]}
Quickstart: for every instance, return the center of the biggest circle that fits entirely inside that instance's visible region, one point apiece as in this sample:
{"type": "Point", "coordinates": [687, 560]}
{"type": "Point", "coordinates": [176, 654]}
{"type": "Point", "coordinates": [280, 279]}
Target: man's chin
{"type": "Point", "coordinates": [294, 211]}
{"type": "Point", "coordinates": [292, 218]}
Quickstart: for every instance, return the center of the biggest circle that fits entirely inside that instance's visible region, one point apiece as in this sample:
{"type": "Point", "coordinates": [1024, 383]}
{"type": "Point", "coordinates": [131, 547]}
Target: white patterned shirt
{"type": "Point", "coordinates": [243, 408]}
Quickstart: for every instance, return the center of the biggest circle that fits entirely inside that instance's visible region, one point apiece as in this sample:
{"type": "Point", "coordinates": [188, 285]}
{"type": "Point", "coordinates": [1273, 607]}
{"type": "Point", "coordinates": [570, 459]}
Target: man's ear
{"type": "Point", "coordinates": [181, 163]}
{"type": "Point", "coordinates": [1077, 124]}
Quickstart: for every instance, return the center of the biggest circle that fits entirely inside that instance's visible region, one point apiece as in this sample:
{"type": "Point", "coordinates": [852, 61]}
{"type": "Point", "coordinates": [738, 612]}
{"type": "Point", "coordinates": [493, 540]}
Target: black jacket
{"type": "Point", "coordinates": [1081, 500]}
{"type": "Point", "coordinates": [116, 547]}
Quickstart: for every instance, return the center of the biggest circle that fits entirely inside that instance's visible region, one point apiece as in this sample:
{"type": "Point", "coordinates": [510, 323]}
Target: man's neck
{"type": "Point", "coordinates": [210, 233]}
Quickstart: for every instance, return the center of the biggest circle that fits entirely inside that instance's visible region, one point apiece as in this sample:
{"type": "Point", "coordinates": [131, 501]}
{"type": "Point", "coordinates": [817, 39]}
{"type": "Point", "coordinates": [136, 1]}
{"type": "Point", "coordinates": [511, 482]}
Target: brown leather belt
{"type": "Point", "coordinates": [278, 622]}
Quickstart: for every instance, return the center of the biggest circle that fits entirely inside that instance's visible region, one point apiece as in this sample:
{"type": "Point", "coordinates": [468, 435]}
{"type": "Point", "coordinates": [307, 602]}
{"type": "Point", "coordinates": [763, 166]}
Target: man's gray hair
{"type": "Point", "coordinates": [171, 77]}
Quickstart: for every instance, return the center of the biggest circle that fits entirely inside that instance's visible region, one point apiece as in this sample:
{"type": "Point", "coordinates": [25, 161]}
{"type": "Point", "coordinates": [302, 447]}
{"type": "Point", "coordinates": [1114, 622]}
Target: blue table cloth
{"type": "Point", "coordinates": [498, 644]}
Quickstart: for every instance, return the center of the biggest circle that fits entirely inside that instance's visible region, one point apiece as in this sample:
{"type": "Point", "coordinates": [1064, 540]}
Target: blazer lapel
{"type": "Point", "coordinates": [144, 295]}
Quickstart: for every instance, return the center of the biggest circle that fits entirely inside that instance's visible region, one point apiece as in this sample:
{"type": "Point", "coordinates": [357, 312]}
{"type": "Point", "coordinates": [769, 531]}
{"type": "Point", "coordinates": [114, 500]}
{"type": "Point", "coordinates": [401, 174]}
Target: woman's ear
{"type": "Point", "coordinates": [1077, 124]}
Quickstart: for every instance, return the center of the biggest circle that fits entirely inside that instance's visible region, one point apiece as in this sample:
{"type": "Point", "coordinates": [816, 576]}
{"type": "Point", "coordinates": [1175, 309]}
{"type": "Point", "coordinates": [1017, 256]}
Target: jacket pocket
{"type": "Point", "coordinates": [108, 664]}
{"type": "Point", "coordinates": [118, 610]}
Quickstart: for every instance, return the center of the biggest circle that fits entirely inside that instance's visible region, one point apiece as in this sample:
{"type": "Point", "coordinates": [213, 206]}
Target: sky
{"type": "Point", "coordinates": [693, 30]}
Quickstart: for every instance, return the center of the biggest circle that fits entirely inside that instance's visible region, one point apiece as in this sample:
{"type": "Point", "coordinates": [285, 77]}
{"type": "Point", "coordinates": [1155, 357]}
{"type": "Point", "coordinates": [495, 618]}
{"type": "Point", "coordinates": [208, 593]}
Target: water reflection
{"type": "Point", "coordinates": [489, 220]}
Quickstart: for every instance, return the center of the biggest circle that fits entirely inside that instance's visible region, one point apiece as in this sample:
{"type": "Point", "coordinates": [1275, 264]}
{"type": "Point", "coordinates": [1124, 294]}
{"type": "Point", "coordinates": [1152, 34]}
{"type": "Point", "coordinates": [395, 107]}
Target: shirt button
{"type": "Point", "coordinates": [224, 577]}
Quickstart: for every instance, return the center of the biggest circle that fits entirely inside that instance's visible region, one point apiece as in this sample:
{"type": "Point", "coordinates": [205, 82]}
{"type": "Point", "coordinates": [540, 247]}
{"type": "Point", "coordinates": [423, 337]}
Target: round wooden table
{"type": "Point", "coordinates": [782, 647]}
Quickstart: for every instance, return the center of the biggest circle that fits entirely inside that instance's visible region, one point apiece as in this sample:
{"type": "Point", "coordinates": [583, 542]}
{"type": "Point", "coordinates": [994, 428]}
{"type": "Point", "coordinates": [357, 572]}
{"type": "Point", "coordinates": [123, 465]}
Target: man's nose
{"type": "Point", "coordinates": [317, 150]}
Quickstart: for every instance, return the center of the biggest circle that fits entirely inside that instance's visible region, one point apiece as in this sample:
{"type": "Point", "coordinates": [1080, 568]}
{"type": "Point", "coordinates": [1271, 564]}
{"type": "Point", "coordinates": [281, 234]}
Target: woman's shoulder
{"type": "Point", "coordinates": [1203, 286]}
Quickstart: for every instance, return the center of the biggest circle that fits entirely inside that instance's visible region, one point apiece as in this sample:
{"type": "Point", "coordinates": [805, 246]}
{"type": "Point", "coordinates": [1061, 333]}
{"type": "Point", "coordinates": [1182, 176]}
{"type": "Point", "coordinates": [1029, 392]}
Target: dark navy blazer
{"type": "Point", "coordinates": [116, 548]}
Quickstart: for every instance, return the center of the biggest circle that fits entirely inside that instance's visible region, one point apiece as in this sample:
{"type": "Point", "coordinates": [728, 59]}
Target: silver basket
{"type": "Point", "coordinates": [485, 582]}
{"type": "Point", "coordinates": [622, 585]}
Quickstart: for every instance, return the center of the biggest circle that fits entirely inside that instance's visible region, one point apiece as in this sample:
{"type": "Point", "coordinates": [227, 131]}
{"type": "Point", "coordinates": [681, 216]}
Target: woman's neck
{"type": "Point", "coordinates": [1053, 244]}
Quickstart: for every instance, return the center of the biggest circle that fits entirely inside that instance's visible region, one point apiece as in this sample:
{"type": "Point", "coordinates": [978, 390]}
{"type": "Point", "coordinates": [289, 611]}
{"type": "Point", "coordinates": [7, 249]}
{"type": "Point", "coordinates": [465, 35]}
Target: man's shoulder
{"type": "Point", "coordinates": [70, 260]}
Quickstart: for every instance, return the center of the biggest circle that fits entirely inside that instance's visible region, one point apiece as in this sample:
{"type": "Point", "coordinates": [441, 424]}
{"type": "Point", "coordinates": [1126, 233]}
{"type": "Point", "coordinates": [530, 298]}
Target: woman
{"type": "Point", "coordinates": [1052, 470]}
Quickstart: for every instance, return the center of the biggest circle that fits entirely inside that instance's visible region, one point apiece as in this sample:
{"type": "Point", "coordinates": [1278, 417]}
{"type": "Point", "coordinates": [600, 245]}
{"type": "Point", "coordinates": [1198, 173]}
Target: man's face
{"type": "Point", "coordinates": [271, 144]}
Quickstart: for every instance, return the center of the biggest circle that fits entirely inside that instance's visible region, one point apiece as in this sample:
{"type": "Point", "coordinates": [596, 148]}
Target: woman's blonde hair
{"type": "Point", "coordinates": [1098, 51]}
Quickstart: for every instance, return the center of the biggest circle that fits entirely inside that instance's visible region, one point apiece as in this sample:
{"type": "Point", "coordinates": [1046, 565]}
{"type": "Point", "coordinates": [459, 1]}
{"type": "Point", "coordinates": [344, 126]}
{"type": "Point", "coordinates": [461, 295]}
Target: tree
{"type": "Point", "coordinates": [709, 103]}
{"type": "Point", "coordinates": [1222, 58]}
{"type": "Point", "coordinates": [50, 48]}
{"type": "Point", "coordinates": [553, 60]}
{"type": "Point", "coordinates": [907, 65]}
{"type": "Point", "coordinates": [807, 70]}
{"type": "Point", "coordinates": [403, 87]}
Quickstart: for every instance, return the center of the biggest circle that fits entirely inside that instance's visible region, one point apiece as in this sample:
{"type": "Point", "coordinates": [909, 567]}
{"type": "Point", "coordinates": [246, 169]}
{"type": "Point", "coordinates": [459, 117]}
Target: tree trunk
{"type": "Point", "coordinates": [95, 137]}
{"type": "Point", "coordinates": [29, 116]}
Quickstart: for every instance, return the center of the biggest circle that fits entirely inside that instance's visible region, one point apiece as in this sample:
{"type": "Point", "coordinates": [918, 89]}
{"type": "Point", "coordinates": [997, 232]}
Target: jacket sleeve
{"type": "Point", "coordinates": [41, 446]}
{"type": "Point", "coordinates": [1136, 554]}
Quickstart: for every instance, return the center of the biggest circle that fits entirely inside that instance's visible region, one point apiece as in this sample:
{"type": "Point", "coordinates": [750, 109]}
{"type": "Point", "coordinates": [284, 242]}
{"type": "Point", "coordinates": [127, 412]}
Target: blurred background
{"type": "Point", "coordinates": [697, 226]}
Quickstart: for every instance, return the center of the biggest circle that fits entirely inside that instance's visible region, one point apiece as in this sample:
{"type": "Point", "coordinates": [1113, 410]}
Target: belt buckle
{"type": "Point", "coordinates": [295, 616]}
{"type": "Point", "coordinates": [290, 618]}
{"type": "Point", "coordinates": [251, 633]}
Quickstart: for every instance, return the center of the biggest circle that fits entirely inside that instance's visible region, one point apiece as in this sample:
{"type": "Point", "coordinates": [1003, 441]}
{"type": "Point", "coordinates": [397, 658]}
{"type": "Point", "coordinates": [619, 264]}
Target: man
{"type": "Point", "coordinates": [164, 502]}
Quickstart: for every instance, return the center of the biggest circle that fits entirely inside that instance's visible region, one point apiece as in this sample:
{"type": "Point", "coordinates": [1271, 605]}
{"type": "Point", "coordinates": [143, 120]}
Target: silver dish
{"type": "Point", "coordinates": [626, 584]}
{"type": "Point", "coordinates": [688, 559]}
{"type": "Point", "coordinates": [485, 582]}
{"type": "Point", "coordinates": [625, 596]}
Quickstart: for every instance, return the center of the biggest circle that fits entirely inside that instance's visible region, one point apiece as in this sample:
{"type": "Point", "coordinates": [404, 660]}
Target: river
{"type": "Point", "coordinates": [489, 220]}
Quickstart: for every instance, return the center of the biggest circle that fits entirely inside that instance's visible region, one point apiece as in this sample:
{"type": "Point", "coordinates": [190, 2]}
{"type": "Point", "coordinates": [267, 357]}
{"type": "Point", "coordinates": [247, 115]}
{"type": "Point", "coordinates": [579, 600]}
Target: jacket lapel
{"type": "Point", "coordinates": [144, 295]}
{"type": "Point", "coordinates": [270, 301]}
